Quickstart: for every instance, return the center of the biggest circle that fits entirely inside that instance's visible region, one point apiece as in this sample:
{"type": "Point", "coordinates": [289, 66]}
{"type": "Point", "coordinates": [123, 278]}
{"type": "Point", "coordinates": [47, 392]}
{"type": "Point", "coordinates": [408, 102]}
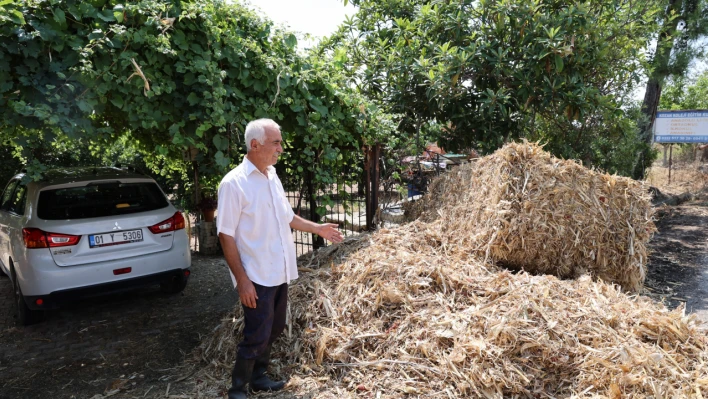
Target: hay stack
{"type": "Point", "coordinates": [419, 311]}
{"type": "Point", "coordinates": [402, 316]}
{"type": "Point", "coordinates": [526, 209]}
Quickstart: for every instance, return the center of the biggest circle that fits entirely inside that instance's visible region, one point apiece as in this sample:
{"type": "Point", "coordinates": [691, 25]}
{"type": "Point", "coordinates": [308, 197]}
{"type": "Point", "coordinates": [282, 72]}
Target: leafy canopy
{"type": "Point", "coordinates": [170, 76]}
{"type": "Point", "coordinates": [494, 70]}
{"type": "Point", "coordinates": [685, 93]}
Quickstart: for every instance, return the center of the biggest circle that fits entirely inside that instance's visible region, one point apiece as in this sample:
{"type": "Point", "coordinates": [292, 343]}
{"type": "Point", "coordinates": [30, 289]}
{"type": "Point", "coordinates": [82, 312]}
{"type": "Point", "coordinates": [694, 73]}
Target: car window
{"type": "Point", "coordinates": [7, 194]}
{"type": "Point", "coordinates": [99, 199]}
{"type": "Point", "coordinates": [17, 200]}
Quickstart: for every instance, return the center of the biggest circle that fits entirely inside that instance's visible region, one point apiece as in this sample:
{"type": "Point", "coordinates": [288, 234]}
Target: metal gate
{"type": "Point", "coordinates": [350, 202]}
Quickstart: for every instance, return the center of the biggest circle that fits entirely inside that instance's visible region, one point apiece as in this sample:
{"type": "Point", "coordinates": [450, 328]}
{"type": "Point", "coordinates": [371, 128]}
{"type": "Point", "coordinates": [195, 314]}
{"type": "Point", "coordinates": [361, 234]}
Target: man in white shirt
{"type": "Point", "coordinates": [254, 225]}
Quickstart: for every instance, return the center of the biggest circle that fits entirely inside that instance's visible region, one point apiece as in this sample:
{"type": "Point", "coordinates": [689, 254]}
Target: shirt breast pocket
{"type": "Point", "coordinates": [249, 208]}
{"type": "Point", "coordinates": [284, 207]}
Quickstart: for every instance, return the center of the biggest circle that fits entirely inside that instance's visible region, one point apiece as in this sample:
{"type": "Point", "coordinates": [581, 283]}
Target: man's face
{"type": "Point", "coordinates": [269, 151]}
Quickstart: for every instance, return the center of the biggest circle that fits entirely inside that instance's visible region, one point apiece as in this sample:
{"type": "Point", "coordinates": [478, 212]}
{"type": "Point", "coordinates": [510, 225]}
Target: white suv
{"type": "Point", "coordinates": [81, 232]}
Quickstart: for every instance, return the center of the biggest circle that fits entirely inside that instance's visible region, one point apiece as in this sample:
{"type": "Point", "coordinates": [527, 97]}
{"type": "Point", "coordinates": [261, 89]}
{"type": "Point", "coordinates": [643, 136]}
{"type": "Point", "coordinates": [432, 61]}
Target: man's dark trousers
{"type": "Point", "coordinates": [266, 322]}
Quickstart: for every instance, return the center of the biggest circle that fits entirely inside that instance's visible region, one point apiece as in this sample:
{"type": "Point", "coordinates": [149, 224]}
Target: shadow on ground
{"type": "Point", "coordinates": [678, 262]}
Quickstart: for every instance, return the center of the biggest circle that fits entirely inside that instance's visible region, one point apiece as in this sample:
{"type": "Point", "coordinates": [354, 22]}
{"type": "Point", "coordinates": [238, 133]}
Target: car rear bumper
{"type": "Point", "coordinates": [38, 275]}
{"type": "Point", "coordinates": [56, 298]}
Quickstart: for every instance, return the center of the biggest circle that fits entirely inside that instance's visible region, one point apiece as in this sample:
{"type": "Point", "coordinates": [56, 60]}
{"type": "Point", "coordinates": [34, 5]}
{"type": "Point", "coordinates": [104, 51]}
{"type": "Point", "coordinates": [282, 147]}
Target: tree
{"type": "Point", "coordinates": [171, 76]}
{"type": "Point", "coordinates": [494, 70]}
{"type": "Point", "coordinates": [683, 24]}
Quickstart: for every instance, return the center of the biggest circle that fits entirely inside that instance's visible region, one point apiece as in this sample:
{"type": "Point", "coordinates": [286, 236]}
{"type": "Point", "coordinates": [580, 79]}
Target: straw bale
{"type": "Point", "coordinates": [526, 209]}
{"type": "Point", "coordinates": [402, 313]}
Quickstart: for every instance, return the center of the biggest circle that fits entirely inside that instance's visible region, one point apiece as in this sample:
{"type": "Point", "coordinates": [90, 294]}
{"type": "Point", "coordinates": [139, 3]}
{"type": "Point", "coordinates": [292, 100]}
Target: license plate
{"type": "Point", "coordinates": [120, 237]}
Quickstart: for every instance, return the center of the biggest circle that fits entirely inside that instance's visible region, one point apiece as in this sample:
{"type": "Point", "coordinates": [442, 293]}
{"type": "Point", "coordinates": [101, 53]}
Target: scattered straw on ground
{"type": "Point", "coordinates": [415, 311]}
{"type": "Point", "coordinates": [405, 315]}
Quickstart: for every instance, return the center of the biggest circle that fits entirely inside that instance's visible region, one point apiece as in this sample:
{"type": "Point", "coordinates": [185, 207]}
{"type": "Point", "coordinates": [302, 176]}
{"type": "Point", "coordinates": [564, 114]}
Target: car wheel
{"type": "Point", "coordinates": [174, 285]}
{"type": "Point", "coordinates": [25, 315]}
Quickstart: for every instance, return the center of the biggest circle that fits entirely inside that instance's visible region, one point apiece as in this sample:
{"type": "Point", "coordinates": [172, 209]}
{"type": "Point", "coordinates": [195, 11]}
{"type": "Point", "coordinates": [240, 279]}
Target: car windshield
{"type": "Point", "coordinates": [99, 199]}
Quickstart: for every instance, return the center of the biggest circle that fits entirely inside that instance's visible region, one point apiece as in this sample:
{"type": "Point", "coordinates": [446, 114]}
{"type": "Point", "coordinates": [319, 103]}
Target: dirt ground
{"type": "Point", "coordinates": [678, 261]}
{"type": "Point", "coordinates": [678, 264]}
{"type": "Point", "coordinates": [121, 346]}
{"type": "Point", "coordinates": [131, 345]}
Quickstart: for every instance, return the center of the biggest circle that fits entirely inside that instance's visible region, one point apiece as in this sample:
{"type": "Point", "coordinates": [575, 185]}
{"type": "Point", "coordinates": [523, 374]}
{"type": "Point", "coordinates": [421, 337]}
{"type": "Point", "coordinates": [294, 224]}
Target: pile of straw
{"type": "Point", "coordinates": [528, 210]}
{"type": "Point", "coordinates": [400, 313]}
{"type": "Point", "coordinates": [420, 311]}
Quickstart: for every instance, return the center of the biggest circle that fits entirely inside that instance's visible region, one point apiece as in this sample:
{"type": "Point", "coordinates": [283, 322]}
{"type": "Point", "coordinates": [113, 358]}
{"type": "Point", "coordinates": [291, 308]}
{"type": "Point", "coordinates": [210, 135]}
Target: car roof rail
{"type": "Point", "coordinates": [129, 167]}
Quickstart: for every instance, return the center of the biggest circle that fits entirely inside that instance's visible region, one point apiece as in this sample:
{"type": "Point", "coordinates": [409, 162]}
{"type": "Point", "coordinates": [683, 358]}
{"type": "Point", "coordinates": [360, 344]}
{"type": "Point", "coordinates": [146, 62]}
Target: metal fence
{"type": "Point", "coordinates": [350, 202]}
{"type": "Point", "coordinates": [343, 204]}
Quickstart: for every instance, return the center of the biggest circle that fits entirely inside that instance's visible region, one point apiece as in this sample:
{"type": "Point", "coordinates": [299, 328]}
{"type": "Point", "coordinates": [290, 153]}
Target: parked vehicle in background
{"type": "Point", "coordinates": [82, 232]}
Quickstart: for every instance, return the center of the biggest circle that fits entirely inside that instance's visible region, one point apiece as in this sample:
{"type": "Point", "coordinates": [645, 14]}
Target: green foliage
{"type": "Point", "coordinates": [40, 154]}
{"type": "Point", "coordinates": [9, 166]}
{"type": "Point", "coordinates": [685, 94]}
{"type": "Point", "coordinates": [167, 76]}
{"type": "Point", "coordinates": [490, 71]}
{"type": "Point", "coordinates": [680, 40]}
{"type": "Point", "coordinates": [606, 140]}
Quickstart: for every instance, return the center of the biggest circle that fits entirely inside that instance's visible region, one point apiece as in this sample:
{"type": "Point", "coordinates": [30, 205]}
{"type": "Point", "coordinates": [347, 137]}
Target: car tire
{"type": "Point", "coordinates": [174, 285]}
{"type": "Point", "coordinates": [25, 315]}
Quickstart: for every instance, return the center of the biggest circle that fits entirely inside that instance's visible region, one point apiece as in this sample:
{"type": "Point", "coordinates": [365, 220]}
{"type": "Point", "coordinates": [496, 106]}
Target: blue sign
{"type": "Point", "coordinates": [681, 127]}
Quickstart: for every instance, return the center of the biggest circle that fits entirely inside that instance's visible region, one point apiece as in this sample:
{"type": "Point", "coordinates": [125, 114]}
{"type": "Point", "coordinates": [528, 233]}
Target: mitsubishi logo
{"type": "Point", "coordinates": [117, 227]}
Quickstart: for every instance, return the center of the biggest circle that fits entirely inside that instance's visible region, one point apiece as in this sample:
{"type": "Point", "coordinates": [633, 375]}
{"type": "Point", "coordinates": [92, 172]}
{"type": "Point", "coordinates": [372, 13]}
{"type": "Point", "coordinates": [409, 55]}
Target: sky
{"type": "Point", "coordinates": [319, 18]}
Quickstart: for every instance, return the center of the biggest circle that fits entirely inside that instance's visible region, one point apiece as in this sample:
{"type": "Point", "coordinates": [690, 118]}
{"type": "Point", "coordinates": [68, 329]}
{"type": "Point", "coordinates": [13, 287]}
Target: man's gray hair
{"type": "Point", "coordinates": [256, 130]}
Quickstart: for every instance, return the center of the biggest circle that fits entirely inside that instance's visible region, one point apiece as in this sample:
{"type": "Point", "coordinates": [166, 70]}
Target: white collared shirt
{"type": "Point", "coordinates": [254, 210]}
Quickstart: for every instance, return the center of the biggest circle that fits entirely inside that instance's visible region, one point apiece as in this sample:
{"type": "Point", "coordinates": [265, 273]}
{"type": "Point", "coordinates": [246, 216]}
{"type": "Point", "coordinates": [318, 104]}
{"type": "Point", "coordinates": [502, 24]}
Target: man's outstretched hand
{"type": "Point", "coordinates": [329, 232]}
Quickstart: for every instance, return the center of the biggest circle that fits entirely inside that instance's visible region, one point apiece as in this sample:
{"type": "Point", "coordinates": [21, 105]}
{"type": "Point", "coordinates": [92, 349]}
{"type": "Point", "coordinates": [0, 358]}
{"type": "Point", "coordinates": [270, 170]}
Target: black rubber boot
{"type": "Point", "coordinates": [260, 381]}
{"type": "Point", "coordinates": [243, 368]}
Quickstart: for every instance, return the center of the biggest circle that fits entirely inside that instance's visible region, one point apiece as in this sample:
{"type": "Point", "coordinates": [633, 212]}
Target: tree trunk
{"type": "Point", "coordinates": [651, 104]}
{"type": "Point", "coordinates": [652, 95]}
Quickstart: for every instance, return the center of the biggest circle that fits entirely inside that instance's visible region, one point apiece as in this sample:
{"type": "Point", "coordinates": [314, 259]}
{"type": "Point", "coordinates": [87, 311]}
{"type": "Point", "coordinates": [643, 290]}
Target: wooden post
{"type": "Point", "coordinates": [375, 186]}
{"type": "Point", "coordinates": [665, 163]}
{"type": "Point", "coordinates": [372, 176]}
{"type": "Point", "coordinates": [317, 241]}
{"type": "Point", "coordinates": [197, 244]}
{"type": "Point", "coordinates": [197, 192]}
{"type": "Point", "coordinates": [671, 150]}
{"type": "Point", "coordinates": [206, 236]}
{"type": "Point", "coordinates": [367, 183]}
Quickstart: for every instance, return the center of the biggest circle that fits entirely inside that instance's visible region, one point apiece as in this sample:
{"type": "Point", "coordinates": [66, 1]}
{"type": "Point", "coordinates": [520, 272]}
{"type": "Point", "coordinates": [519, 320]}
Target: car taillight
{"type": "Point", "coordinates": [176, 222]}
{"type": "Point", "coordinates": [62, 240]}
{"type": "Point", "coordinates": [36, 238]}
{"type": "Point", "coordinates": [179, 221]}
